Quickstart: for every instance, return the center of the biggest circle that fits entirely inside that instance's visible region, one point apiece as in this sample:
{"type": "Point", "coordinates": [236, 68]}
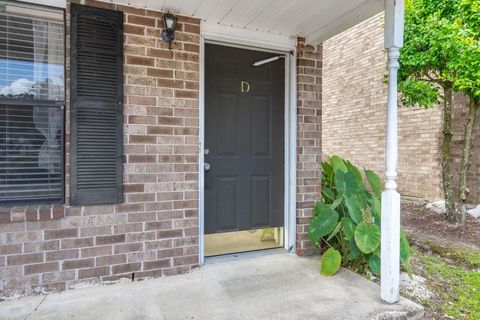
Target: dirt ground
{"type": "Point", "coordinates": [448, 258]}
{"type": "Point", "coordinates": [418, 220]}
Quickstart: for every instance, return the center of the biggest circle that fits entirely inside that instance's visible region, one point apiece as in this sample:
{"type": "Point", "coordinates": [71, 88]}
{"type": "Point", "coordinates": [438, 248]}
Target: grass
{"type": "Point", "coordinates": [453, 277]}
{"type": "Point", "coordinates": [470, 257]}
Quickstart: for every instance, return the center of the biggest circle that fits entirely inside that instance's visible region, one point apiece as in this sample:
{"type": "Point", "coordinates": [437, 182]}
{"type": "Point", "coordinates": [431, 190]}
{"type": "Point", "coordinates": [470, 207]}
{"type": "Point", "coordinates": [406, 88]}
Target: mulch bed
{"type": "Point", "coordinates": [416, 219]}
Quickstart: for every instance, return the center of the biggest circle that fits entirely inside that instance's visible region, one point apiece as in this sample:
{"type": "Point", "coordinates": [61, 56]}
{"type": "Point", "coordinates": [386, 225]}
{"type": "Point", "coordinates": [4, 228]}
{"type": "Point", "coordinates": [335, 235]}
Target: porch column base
{"type": "Point", "coordinates": [390, 247]}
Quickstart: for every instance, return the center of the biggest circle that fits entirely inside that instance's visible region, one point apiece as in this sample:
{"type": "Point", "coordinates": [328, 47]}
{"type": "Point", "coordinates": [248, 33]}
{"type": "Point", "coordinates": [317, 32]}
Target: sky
{"type": "Point", "coordinates": [17, 77]}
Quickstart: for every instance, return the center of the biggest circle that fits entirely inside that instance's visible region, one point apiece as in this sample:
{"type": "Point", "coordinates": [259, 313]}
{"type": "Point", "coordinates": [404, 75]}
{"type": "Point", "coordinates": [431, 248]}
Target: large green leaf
{"type": "Point", "coordinates": [331, 261]}
{"type": "Point", "coordinates": [374, 264]}
{"type": "Point", "coordinates": [338, 164]}
{"type": "Point", "coordinates": [362, 196]}
{"type": "Point", "coordinates": [339, 181]}
{"type": "Point", "coordinates": [377, 210]}
{"type": "Point", "coordinates": [374, 181]}
{"type": "Point", "coordinates": [348, 228]}
{"type": "Point", "coordinates": [327, 170]}
{"type": "Point", "coordinates": [346, 183]}
{"type": "Point", "coordinates": [335, 231]}
{"type": "Point", "coordinates": [351, 167]}
{"type": "Point", "coordinates": [328, 193]}
{"type": "Point", "coordinates": [367, 237]}
{"type": "Point", "coordinates": [353, 209]}
{"type": "Point", "coordinates": [336, 203]}
{"type": "Point", "coordinates": [323, 223]}
{"type": "Point", "coordinates": [353, 252]}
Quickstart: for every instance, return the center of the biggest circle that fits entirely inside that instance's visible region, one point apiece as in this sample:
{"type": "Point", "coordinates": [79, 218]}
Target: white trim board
{"type": "Point", "coordinates": [249, 38]}
{"type": "Point", "coordinates": [201, 158]}
{"type": "Point", "coordinates": [288, 50]}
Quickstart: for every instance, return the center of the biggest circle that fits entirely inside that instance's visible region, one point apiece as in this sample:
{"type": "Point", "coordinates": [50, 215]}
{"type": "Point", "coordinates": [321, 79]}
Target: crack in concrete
{"type": "Point", "coordinates": [36, 308]}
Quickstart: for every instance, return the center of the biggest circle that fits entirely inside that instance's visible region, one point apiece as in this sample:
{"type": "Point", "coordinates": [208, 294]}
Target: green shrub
{"type": "Point", "coordinates": [347, 219]}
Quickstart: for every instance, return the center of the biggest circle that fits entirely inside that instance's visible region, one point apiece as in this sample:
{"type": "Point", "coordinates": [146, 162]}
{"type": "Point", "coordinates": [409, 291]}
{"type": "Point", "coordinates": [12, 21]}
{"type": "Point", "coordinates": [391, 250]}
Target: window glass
{"type": "Point", "coordinates": [30, 153]}
{"type": "Point", "coordinates": [31, 53]}
{"type": "Point", "coordinates": [31, 103]}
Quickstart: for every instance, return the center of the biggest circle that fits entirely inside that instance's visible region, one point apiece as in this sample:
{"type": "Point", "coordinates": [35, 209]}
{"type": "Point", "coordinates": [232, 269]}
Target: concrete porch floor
{"type": "Point", "coordinates": [265, 285]}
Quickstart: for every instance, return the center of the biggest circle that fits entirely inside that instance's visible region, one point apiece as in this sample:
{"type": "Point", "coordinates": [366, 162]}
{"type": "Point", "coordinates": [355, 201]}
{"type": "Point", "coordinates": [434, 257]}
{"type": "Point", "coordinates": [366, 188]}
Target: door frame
{"type": "Point", "coordinates": [287, 49]}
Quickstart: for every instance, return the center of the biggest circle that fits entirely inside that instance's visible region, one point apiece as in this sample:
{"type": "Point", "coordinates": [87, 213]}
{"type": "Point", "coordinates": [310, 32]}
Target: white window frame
{"type": "Point", "coordinates": [28, 7]}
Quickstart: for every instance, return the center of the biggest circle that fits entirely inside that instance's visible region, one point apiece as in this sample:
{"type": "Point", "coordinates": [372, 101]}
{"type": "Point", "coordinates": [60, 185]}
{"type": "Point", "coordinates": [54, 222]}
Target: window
{"type": "Point", "coordinates": [31, 103]}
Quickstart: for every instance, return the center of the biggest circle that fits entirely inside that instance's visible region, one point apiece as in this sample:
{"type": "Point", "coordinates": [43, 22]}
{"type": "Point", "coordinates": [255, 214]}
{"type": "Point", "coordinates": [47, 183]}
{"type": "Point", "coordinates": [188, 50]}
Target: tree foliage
{"type": "Point", "coordinates": [441, 47]}
{"type": "Point", "coordinates": [441, 56]}
{"type": "Point", "coordinates": [466, 28]}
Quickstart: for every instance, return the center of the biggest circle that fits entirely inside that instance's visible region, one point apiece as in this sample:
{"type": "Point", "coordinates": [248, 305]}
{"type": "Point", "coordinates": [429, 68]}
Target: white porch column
{"type": "Point", "coordinates": [390, 248]}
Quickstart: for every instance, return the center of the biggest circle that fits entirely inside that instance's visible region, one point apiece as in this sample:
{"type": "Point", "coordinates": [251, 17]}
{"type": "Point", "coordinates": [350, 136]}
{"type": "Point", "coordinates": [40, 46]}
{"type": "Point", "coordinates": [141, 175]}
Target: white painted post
{"type": "Point", "coordinates": [390, 248]}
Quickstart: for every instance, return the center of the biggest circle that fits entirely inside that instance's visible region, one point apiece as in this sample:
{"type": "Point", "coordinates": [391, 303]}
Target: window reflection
{"type": "Point", "coordinates": [31, 53]}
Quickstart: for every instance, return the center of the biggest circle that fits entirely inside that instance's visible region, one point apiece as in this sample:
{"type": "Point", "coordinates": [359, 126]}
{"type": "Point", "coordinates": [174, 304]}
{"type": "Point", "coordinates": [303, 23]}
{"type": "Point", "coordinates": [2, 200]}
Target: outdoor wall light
{"type": "Point", "coordinates": [170, 24]}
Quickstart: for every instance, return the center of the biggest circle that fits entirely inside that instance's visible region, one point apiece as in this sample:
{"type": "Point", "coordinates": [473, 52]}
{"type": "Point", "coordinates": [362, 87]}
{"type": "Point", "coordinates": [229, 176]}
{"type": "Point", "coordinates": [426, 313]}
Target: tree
{"type": "Point", "coordinates": [422, 80]}
{"type": "Point", "coordinates": [441, 56]}
{"type": "Point", "coordinates": [466, 26]}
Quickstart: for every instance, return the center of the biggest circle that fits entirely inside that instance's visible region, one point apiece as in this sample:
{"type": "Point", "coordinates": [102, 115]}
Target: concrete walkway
{"type": "Point", "coordinates": [267, 285]}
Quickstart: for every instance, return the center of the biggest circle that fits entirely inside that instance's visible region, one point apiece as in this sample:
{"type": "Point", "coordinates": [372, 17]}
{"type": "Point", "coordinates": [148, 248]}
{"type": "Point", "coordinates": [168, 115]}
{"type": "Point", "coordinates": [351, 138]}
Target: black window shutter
{"type": "Point", "coordinates": [96, 106]}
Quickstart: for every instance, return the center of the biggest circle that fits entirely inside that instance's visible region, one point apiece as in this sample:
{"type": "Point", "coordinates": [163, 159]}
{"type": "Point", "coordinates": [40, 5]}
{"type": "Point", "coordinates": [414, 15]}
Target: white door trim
{"type": "Point", "coordinates": [290, 129]}
{"type": "Point", "coordinates": [248, 38]}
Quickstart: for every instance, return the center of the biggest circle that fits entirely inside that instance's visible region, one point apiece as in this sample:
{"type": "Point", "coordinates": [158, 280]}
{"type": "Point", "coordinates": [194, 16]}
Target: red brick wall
{"type": "Point", "coordinates": [155, 231]}
{"type": "Point", "coordinates": [354, 110]}
{"type": "Point", "coordinates": [355, 113]}
{"type": "Point", "coordinates": [309, 151]}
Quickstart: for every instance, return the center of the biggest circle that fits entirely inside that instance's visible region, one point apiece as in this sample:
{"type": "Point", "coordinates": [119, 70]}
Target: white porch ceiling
{"type": "Point", "coordinates": [316, 20]}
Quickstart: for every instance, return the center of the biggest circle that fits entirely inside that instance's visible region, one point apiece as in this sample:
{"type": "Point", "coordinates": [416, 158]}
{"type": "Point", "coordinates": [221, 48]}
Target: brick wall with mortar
{"type": "Point", "coordinates": [309, 137]}
{"type": "Point", "coordinates": [50, 248]}
{"type": "Point", "coordinates": [354, 113]}
{"type": "Point", "coordinates": [155, 231]}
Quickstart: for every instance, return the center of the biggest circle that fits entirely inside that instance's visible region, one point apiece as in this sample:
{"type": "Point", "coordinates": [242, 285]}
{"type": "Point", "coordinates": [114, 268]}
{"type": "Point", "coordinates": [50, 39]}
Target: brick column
{"type": "Point", "coordinates": [309, 152]}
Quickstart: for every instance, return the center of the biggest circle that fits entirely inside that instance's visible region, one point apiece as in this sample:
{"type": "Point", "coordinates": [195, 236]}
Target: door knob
{"type": "Point", "coordinates": [206, 166]}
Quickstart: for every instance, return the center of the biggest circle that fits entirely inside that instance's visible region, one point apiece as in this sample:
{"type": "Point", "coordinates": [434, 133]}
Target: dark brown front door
{"type": "Point", "coordinates": [244, 140]}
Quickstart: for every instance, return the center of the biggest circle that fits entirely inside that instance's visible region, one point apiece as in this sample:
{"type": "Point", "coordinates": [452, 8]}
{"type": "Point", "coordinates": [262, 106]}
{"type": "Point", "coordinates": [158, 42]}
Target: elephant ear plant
{"type": "Point", "coordinates": [347, 220]}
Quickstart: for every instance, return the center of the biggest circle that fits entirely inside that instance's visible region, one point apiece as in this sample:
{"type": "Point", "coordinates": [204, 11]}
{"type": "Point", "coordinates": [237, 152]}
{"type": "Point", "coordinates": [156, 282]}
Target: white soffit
{"type": "Point", "coordinates": [316, 20]}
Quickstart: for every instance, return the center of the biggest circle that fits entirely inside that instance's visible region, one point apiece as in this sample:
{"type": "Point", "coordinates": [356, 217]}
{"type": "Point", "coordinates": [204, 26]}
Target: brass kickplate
{"type": "Point", "coordinates": [243, 241]}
